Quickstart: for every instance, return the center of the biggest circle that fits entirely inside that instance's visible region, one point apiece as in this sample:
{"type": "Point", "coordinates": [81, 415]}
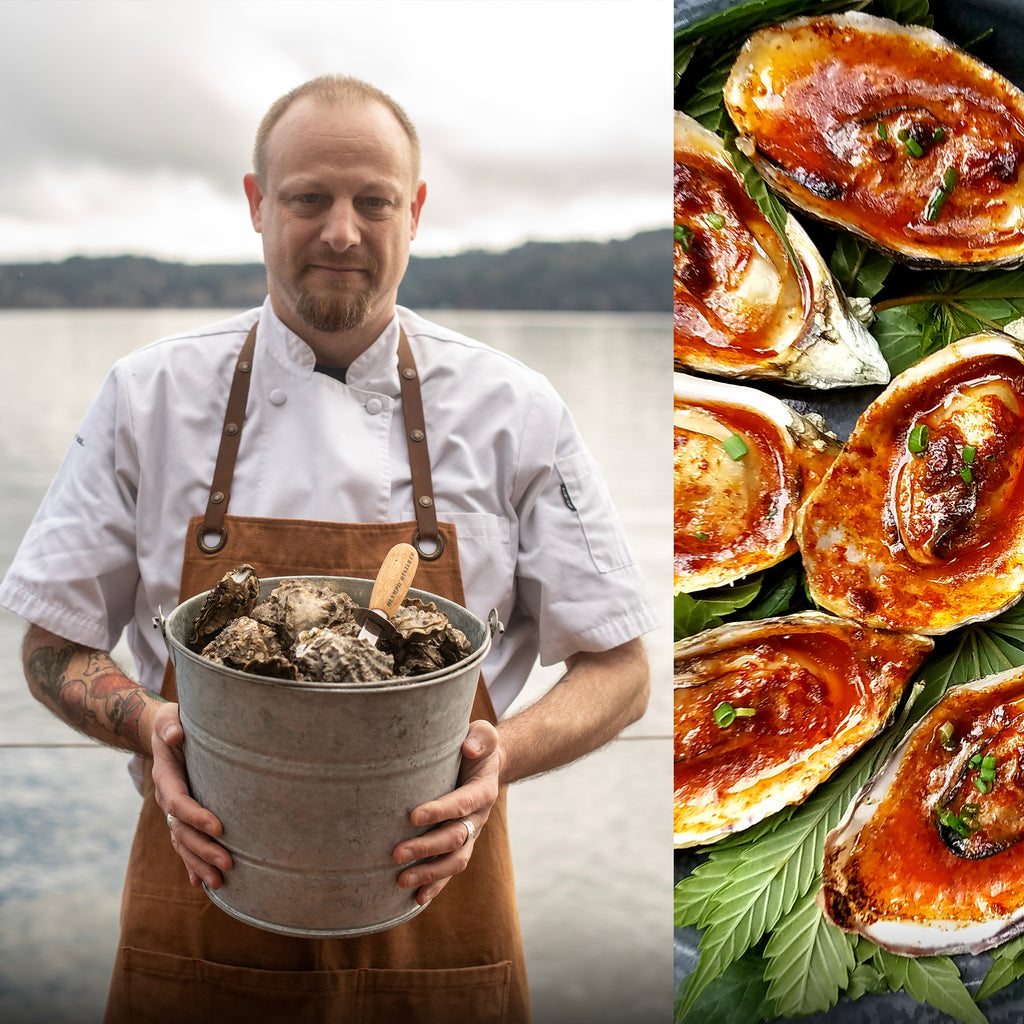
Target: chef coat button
{"type": "Point", "coordinates": [278, 397]}
{"type": "Point", "coordinates": [374, 406]}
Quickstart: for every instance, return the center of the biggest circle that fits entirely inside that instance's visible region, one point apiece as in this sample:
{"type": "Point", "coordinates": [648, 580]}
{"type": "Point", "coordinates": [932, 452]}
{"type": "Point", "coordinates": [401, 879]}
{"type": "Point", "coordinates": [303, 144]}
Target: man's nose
{"type": "Point", "coordinates": [341, 227]}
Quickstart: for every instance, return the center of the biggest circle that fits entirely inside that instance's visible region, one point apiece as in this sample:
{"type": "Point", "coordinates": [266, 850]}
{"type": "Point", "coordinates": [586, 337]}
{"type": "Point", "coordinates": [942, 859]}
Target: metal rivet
{"type": "Point", "coordinates": [245, 366]}
{"type": "Point", "coordinates": [426, 501]}
{"type": "Point", "coordinates": [217, 497]}
{"type": "Point", "coordinates": [408, 373]}
{"type": "Point", "coordinates": [416, 435]}
{"type": "Point", "coordinates": [231, 429]}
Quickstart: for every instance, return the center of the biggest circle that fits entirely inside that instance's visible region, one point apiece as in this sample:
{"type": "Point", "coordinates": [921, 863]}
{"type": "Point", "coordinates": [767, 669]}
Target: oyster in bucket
{"type": "Point", "coordinates": [314, 780]}
{"type": "Point", "coordinates": [308, 631]}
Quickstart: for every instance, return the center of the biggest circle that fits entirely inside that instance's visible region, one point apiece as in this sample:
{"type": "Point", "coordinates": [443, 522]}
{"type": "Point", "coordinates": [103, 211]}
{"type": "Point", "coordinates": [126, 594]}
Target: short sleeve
{"type": "Point", "coordinates": [576, 573]}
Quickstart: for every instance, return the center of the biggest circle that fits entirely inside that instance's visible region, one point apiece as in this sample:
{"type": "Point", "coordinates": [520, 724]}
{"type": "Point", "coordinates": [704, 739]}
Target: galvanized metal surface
{"type": "Point", "coordinates": [314, 782]}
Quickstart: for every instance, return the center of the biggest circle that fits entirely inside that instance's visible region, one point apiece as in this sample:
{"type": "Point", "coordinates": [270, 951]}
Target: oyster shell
{"type": "Point", "coordinates": [734, 513]}
{"type": "Point", "coordinates": [233, 595]}
{"type": "Point", "coordinates": [741, 307]}
{"type": "Point", "coordinates": [765, 711]}
{"type": "Point", "coordinates": [324, 655]}
{"type": "Point", "coordinates": [250, 646]}
{"type": "Point", "coordinates": [417, 622]}
{"type": "Point", "coordinates": [297, 605]}
{"type": "Point", "coordinates": [889, 872]}
{"type": "Point", "coordinates": [919, 524]}
{"type": "Point", "coordinates": [888, 131]}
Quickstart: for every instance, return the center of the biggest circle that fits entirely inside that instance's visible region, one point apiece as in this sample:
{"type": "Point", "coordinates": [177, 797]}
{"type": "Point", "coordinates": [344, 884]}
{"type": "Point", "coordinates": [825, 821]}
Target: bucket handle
{"type": "Point", "coordinates": [494, 624]}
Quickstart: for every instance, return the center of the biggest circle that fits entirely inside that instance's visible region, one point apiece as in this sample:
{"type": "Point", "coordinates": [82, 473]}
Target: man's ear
{"type": "Point", "coordinates": [255, 197]}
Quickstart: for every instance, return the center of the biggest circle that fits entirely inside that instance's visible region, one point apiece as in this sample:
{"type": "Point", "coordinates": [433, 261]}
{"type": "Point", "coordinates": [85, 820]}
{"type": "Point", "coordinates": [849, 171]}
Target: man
{"type": "Point", "coordinates": [326, 461]}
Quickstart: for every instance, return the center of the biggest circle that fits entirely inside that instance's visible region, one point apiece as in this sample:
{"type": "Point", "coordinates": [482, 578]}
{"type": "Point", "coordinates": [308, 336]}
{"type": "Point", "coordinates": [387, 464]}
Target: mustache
{"type": "Point", "coordinates": [335, 261]}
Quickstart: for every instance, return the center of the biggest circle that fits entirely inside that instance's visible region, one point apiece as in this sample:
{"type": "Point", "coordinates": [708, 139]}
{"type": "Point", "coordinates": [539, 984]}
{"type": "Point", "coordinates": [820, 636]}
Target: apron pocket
{"type": "Point", "coordinates": [160, 988]}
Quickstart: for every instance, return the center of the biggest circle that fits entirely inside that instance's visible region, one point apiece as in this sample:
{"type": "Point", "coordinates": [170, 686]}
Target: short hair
{"type": "Point", "coordinates": [330, 89]}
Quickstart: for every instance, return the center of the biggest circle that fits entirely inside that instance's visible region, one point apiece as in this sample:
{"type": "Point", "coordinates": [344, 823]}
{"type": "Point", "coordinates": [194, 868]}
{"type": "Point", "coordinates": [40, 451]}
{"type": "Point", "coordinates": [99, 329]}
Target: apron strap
{"type": "Point", "coordinates": [234, 416]}
{"type": "Point", "coordinates": [427, 539]}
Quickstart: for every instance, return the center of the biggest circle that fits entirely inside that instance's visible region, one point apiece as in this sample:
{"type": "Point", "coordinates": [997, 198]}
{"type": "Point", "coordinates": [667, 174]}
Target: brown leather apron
{"type": "Point", "coordinates": [182, 958]}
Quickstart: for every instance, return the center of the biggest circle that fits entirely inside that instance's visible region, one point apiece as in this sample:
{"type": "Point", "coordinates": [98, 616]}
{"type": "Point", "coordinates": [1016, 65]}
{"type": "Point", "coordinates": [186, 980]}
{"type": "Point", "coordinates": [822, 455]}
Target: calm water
{"type": "Point", "coordinates": [592, 843]}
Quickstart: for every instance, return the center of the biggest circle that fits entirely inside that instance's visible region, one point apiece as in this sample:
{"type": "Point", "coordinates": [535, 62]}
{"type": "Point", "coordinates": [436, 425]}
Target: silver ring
{"type": "Point", "coordinates": [470, 830]}
{"type": "Point", "coordinates": [171, 820]}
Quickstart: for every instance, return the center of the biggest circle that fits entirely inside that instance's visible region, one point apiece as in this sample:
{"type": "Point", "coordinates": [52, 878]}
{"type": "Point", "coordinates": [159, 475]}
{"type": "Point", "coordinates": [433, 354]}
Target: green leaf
{"type": "Point", "coordinates": [1007, 966]}
{"type": "Point", "coordinates": [898, 333]}
{"type": "Point", "coordinates": [859, 270]}
{"type": "Point", "coordinates": [930, 979]}
{"type": "Point", "coordinates": [908, 12]}
{"type": "Point", "coordinates": [744, 890]}
{"type": "Point", "coordinates": [684, 54]}
{"type": "Point", "coordinates": [736, 996]}
{"type": "Point", "coordinates": [863, 979]}
{"type": "Point", "coordinates": [775, 213]}
{"type": "Point", "coordinates": [809, 961]}
{"type": "Point", "coordinates": [782, 594]}
{"type": "Point", "coordinates": [707, 104]}
{"type": "Point", "coordinates": [707, 608]}
{"type": "Point", "coordinates": [692, 616]}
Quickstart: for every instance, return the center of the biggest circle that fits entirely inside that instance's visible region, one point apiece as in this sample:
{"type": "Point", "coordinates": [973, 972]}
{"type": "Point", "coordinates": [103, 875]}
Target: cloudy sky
{"type": "Point", "coordinates": [127, 126]}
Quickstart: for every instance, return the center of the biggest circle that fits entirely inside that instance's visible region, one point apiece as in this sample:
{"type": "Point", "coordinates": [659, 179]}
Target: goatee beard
{"type": "Point", "coordinates": [334, 314]}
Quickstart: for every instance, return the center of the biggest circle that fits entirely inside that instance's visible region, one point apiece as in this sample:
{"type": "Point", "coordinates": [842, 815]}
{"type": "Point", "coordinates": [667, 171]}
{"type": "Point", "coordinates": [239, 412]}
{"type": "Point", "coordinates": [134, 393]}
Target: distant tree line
{"type": "Point", "coordinates": [626, 275]}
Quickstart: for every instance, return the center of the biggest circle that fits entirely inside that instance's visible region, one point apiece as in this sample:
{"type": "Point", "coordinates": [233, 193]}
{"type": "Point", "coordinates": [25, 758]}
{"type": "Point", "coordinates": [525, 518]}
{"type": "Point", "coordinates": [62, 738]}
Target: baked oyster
{"type": "Point", "coordinates": [742, 309]}
{"type": "Point", "coordinates": [888, 131]}
{"type": "Point", "coordinates": [767, 710]}
{"type": "Point", "coordinates": [743, 462]}
{"type": "Point", "coordinates": [928, 857]}
{"type": "Point", "coordinates": [919, 524]}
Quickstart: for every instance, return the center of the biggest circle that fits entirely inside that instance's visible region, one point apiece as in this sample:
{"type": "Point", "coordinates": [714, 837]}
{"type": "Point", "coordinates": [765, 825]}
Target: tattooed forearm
{"type": "Point", "coordinates": [85, 688]}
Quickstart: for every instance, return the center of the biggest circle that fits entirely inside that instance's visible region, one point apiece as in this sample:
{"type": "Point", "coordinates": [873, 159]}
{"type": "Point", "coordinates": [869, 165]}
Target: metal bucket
{"type": "Point", "coordinates": [314, 782]}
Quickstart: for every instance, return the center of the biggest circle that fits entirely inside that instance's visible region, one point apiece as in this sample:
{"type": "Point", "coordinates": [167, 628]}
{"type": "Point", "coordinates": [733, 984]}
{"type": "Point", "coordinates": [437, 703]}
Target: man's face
{"type": "Point", "coordinates": [337, 211]}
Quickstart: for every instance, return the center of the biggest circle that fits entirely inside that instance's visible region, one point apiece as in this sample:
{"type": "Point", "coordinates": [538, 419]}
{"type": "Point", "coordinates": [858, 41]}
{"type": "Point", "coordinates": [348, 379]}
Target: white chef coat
{"type": "Point", "coordinates": [538, 537]}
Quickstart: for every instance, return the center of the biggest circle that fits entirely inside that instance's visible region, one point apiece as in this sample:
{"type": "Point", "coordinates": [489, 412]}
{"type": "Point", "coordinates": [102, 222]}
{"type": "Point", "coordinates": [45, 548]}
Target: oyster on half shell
{"type": "Point", "coordinates": [743, 462]}
{"type": "Point", "coordinates": [767, 710]}
{"type": "Point", "coordinates": [889, 131]}
{"type": "Point", "coordinates": [919, 524]}
{"type": "Point", "coordinates": [741, 307]}
{"type": "Point", "coordinates": [928, 858]}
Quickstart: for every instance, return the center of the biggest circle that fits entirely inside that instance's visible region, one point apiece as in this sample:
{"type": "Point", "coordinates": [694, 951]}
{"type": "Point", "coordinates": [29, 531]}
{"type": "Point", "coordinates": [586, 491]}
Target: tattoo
{"type": "Point", "coordinates": [92, 695]}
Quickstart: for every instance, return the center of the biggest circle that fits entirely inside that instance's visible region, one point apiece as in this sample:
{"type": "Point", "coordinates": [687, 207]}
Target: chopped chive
{"type": "Point", "coordinates": [883, 132]}
{"type": "Point", "coordinates": [684, 235]}
{"type": "Point", "coordinates": [987, 775]}
{"type": "Point", "coordinates": [968, 454]}
{"type": "Point", "coordinates": [913, 147]}
{"type": "Point", "coordinates": [917, 442]}
{"type": "Point", "coordinates": [715, 220]}
{"type": "Point", "coordinates": [903, 135]}
{"type": "Point", "coordinates": [735, 447]}
{"type": "Point", "coordinates": [966, 474]}
{"type": "Point", "coordinates": [702, 536]}
{"type": "Point", "coordinates": [939, 134]}
{"type": "Point", "coordinates": [940, 194]}
{"type": "Point", "coordinates": [975, 762]}
{"type": "Point", "coordinates": [988, 761]}
{"type": "Point", "coordinates": [958, 825]}
{"type": "Point", "coordinates": [982, 785]}
{"type": "Point", "coordinates": [746, 712]}
{"type": "Point", "coordinates": [725, 714]}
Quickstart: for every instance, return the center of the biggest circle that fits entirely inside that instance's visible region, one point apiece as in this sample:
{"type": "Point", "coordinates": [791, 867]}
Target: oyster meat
{"type": "Point", "coordinates": [767, 710]}
{"type": "Point", "coordinates": [919, 524]}
{"type": "Point", "coordinates": [928, 857]}
{"type": "Point", "coordinates": [741, 306]}
{"type": "Point", "coordinates": [743, 462]}
{"type": "Point", "coordinates": [889, 131]}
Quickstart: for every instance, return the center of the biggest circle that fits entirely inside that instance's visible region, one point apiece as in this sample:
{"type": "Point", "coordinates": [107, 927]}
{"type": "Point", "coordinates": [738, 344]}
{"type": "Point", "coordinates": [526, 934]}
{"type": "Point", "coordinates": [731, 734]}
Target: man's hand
{"type": "Point", "coordinates": [450, 845]}
{"type": "Point", "coordinates": [193, 828]}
